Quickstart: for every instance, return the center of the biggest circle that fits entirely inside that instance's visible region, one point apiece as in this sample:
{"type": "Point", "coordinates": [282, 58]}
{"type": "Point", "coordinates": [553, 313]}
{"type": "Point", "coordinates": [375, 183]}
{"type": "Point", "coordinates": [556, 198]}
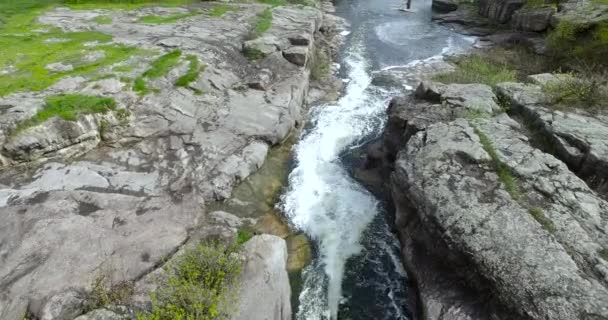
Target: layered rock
{"type": "Point", "coordinates": [137, 191]}
{"type": "Point", "coordinates": [499, 11]}
{"type": "Point", "coordinates": [491, 226]}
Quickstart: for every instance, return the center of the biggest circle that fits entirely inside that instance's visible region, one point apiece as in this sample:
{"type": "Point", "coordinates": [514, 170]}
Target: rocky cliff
{"type": "Point", "coordinates": [123, 190]}
{"type": "Point", "coordinates": [492, 225]}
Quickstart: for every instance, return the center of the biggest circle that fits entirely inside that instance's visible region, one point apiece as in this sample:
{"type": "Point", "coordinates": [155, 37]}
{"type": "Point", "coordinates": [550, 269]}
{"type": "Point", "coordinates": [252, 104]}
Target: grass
{"type": "Point", "coordinates": [163, 64]}
{"type": "Point", "coordinates": [587, 91]}
{"type": "Point", "coordinates": [140, 86]}
{"type": "Point", "coordinates": [274, 3]}
{"type": "Point", "coordinates": [68, 107]}
{"type": "Point", "coordinates": [538, 214]}
{"type": "Point", "coordinates": [155, 19]}
{"type": "Point", "coordinates": [242, 236]}
{"type": "Point", "coordinates": [220, 9]}
{"type": "Point", "coordinates": [194, 69]}
{"type": "Point", "coordinates": [263, 23]}
{"type": "Point", "coordinates": [102, 20]}
{"type": "Point", "coordinates": [252, 53]}
{"type": "Point", "coordinates": [503, 172]}
{"type": "Point", "coordinates": [200, 284]}
{"type": "Point", "coordinates": [105, 292]}
{"type": "Point", "coordinates": [121, 4]}
{"type": "Point", "coordinates": [477, 69]}
{"type": "Point", "coordinates": [28, 51]}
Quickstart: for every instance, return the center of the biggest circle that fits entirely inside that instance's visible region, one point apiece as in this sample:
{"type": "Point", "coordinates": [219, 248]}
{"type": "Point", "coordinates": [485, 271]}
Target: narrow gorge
{"type": "Point", "coordinates": [303, 159]}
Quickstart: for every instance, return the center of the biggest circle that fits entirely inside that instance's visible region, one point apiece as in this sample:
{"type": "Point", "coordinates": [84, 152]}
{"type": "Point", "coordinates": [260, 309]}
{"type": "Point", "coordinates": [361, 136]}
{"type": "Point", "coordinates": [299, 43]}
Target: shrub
{"type": "Point", "coordinates": [105, 292]}
{"type": "Point", "coordinates": [264, 22]}
{"type": "Point", "coordinates": [588, 92]}
{"type": "Point", "coordinates": [200, 284]}
{"type": "Point", "coordinates": [140, 86]}
{"type": "Point", "coordinates": [477, 69]}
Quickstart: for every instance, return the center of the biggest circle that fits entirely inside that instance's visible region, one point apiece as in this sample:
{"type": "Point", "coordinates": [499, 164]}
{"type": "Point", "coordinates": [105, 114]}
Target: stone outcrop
{"type": "Point", "coordinates": [137, 190]}
{"type": "Point", "coordinates": [265, 291]}
{"type": "Point", "coordinates": [499, 11]}
{"type": "Point", "coordinates": [491, 226]}
{"type": "Point", "coordinates": [444, 6]}
{"type": "Point", "coordinates": [533, 19]}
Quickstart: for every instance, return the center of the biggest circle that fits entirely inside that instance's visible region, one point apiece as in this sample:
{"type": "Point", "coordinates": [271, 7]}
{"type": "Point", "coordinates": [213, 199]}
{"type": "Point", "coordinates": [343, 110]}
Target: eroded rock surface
{"type": "Point", "coordinates": [138, 187]}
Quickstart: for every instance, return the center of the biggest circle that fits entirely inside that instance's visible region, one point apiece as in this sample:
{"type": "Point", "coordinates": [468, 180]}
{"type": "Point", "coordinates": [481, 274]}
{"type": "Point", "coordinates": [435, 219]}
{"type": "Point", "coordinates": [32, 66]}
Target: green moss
{"type": "Point", "coordinates": [140, 86]}
{"type": "Point", "coordinates": [538, 214]}
{"type": "Point", "coordinates": [194, 69]}
{"type": "Point", "coordinates": [274, 3]}
{"type": "Point", "coordinates": [604, 254]}
{"type": "Point", "coordinates": [220, 9]}
{"type": "Point", "coordinates": [102, 20]}
{"type": "Point", "coordinates": [123, 68]}
{"type": "Point", "coordinates": [502, 170]}
{"type": "Point", "coordinates": [122, 4]}
{"type": "Point", "coordinates": [68, 107]}
{"type": "Point", "coordinates": [477, 69]}
{"type": "Point", "coordinates": [154, 19]}
{"type": "Point", "coordinates": [264, 22]}
{"type": "Point", "coordinates": [163, 64]}
{"type": "Point", "coordinates": [29, 51]}
{"type": "Point", "coordinates": [200, 284]}
{"type": "Point", "coordinates": [253, 54]}
{"type": "Point", "coordinates": [243, 235]}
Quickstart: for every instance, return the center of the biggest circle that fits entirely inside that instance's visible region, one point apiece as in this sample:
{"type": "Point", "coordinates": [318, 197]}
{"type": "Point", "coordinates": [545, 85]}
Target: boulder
{"type": "Point", "coordinates": [533, 19]}
{"type": "Point", "coordinates": [265, 292]}
{"type": "Point", "coordinates": [461, 98]}
{"type": "Point", "coordinates": [297, 55]}
{"type": "Point", "coordinates": [499, 11]}
{"type": "Point", "coordinates": [444, 6]}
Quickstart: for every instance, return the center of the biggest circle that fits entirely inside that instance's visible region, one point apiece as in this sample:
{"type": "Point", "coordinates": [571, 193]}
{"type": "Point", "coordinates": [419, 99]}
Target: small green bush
{"type": "Point", "coordinates": [200, 284]}
{"type": "Point", "coordinates": [538, 214]}
{"type": "Point", "coordinates": [588, 92]}
{"type": "Point", "coordinates": [163, 64]}
{"type": "Point", "coordinates": [68, 107]}
{"type": "Point", "coordinates": [502, 170]}
{"type": "Point", "coordinates": [242, 236]}
{"type": "Point", "coordinates": [105, 292]}
{"type": "Point", "coordinates": [477, 69]}
{"type": "Point", "coordinates": [194, 69]}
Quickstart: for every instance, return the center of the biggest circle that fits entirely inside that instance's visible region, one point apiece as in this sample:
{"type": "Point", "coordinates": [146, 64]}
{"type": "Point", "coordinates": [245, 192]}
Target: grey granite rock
{"type": "Point", "coordinates": [499, 11]}
{"type": "Point", "coordinates": [533, 19]}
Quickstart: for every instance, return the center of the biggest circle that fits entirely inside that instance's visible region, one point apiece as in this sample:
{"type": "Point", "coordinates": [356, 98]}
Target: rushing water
{"type": "Point", "coordinates": [357, 272]}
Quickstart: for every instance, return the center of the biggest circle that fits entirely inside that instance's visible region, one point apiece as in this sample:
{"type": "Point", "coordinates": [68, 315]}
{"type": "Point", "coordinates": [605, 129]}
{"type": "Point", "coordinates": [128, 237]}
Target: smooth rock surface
{"type": "Point", "coordinates": [265, 291]}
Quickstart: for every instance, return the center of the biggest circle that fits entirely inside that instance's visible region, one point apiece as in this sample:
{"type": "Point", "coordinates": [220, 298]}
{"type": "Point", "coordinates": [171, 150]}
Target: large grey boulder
{"type": "Point", "coordinates": [265, 292]}
{"type": "Point", "coordinates": [580, 140]}
{"type": "Point", "coordinates": [533, 19]}
{"type": "Point", "coordinates": [445, 177]}
{"type": "Point", "coordinates": [499, 11]}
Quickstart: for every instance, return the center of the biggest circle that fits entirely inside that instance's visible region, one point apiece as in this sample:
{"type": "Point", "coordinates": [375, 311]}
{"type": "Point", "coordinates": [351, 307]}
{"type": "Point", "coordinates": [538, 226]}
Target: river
{"type": "Point", "coordinates": [356, 272]}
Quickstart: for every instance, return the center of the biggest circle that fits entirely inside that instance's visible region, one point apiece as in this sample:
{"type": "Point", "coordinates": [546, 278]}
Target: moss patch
{"type": "Point", "coordinates": [194, 70]}
{"type": "Point", "coordinates": [200, 284]}
{"type": "Point", "coordinates": [140, 86]}
{"type": "Point", "coordinates": [154, 19]}
{"type": "Point", "coordinates": [163, 64]}
{"type": "Point", "coordinates": [264, 22]}
{"type": "Point", "coordinates": [220, 9]}
{"type": "Point", "coordinates": [604, 254]}
{"type": "Point", "coordinates": [503, 172]}
{"type": "Point", "coordinates": [243, 235]}
{"type": "Point", "coordinates": [477, 69]}
{"type": "Point", "coordinates": [538, 214]}
{"type": "Point", "coordinates": [68, 107]}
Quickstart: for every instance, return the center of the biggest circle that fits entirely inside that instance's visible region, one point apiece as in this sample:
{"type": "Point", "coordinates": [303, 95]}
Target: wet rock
{"type": "Point", "coordinates": [265, 292]}
{"type": "Point", "coordinates": [444, 6]}
{"type": "Point", "coordinates": [533, 19]}
{"type": "Point", "coordinates": [386, 80]}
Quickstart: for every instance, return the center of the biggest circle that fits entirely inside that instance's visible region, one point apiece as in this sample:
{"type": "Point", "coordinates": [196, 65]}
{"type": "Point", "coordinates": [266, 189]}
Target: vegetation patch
{"type": "Point", "coordinates": [105, 292]}
{"type": "Point", "coordinates": [477, 69]}
{"type": "Point", "coordinates": [163, 64]}
{"type": "Point", "coordinates": [68, 107]}
{"type": "Point", "coordinates": [140, 86]}
{"type": "Point", "coordinates": [253, 54]}
{"type": "Point", "coordinates": [321, 67]}
{"type": "Point", "coordinates": [102, 20]}
{"type": "Point", "coordinates": [120, 4]}
{"type": "Point", "coordinates": [194, 70]}
{"type": "Point", "coordinates": [588, 92]}
{"type": "Point", "coordinates": [243, 235]}
{"type": "Point", "coordinates": [220, 9]}
{"type": "Point", "coordinates": [538, 214]}
{"type": "Point", "coordinates": [200, 284]}
{"type": "Point", "coordinates": [572, 42]}
{"type": "Point", "coordinates": [264, 22]}
{"type": "Point", "coordinates": [502, 170]}
{"type": "Point", "coordinates": [604, 254]}
{"type": "Point", "coordinates": [155, 19]}
{"type": "Point", "coordinates": [274, 3]}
